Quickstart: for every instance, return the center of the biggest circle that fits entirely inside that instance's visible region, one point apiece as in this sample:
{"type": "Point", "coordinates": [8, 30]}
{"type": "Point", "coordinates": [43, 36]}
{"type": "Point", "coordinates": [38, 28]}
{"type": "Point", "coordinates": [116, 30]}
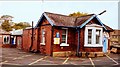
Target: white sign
{"type": "Point", "coordinates": [56, 40]}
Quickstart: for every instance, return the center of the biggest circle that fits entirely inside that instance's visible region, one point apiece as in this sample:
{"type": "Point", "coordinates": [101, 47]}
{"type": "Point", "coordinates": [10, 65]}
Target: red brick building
{"type": "Point", "coordinates": [29, 43]}
{"type": "Point", "coordinates": [115, 37]}
{"type": "Point", "coordinates": [115, 41]}
{"type": "Point", "coordinates": [4, 38]}
{"type": "Point", "coordinates": [16, 38]}
{"type": "Point", "coordinates": [60, 35]}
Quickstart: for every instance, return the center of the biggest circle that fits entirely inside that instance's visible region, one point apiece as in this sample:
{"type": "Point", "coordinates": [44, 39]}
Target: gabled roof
{"type": "Point", "coordinates": [61, 20]}
{"type": "Point", "coordinates": [69, 21]}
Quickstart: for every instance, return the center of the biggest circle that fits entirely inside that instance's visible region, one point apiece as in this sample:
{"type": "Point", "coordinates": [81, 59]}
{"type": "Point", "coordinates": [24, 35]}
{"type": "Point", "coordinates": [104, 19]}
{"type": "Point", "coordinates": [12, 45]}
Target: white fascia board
{"type": "Point", "coordinates": [87, 21]}
{"type": "Point", "coordinates": [49, 20]}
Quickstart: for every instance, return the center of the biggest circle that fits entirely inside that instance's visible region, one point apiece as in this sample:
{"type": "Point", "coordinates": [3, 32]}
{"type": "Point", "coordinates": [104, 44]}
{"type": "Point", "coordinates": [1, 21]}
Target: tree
{"type": "Point", "coordinates": [6, 26]}
{"type": "Point", "coordinates": [21, 25]}
{"type": "Point", "coordinates": [7, 17]}
{"type": "Point", "coordinates": [6, 22]}
{"type": "Point", "coordinates": [78, 14]}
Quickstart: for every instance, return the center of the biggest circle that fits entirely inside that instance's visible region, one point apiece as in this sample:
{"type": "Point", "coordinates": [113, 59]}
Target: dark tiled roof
{"type": "Point", "coordinates": [108, 28]}
{"type": "Point", "coordinates": [69, 21]}
{"type": "Point", "coordinates": [82, 19]}
{"type": "Point", "coordinates": [61, 20]}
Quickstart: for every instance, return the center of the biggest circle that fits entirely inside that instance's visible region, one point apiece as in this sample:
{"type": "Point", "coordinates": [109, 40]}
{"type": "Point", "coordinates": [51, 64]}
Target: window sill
{"type": "Point", "coordinates": [93, 45]}
{"type": "Point", "coordinates": [64, 44]}
{"type": "Point", "coordinates": [42, 43]}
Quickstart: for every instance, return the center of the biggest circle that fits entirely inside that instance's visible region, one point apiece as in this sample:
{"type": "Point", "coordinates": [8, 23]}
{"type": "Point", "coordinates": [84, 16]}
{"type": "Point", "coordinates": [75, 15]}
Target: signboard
{"type": "Point", "coordinates": [56, 40]}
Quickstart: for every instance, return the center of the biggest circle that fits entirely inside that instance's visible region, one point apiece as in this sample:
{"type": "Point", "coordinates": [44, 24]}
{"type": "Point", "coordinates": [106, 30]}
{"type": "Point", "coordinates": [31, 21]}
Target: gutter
{"type": "Point", "coordinates": [78, 46]}
{"type": "Point", "coordinates": [31, 38]}
{"type": "Point", "coordinates": [51, 51]}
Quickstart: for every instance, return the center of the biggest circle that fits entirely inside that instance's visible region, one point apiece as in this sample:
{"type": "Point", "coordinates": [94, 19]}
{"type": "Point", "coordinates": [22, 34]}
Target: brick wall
{"type": "Point", "coordinates": [45, 49]}
{"type": "Point", "coordinates": [26, 39]}
{"type": "Point", "coordinates": [71, 41]}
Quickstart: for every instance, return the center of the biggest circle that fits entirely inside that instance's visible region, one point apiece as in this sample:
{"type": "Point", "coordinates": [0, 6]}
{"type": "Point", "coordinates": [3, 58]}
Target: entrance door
{"type": "Point", "coordinates": [105, 44]}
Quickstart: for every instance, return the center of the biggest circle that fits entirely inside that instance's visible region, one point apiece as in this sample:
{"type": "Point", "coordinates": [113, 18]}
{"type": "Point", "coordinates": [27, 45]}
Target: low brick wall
{"type": "Point", "coordinates": [63, 54]}
{"type": "Point", "coordinates": [81, 54]}
{"type": "Point", "coordinates": [92, 54]}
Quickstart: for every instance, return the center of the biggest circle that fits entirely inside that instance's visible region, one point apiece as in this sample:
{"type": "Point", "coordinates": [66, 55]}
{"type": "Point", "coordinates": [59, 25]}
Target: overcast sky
{"type": "Point", "coordinates": [28, 11]}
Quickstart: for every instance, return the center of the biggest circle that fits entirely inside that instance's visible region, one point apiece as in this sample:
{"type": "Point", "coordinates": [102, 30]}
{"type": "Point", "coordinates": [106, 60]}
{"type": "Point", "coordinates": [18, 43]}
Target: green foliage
{"type": "Point", "coordinates": [6, 26]}
{"type": "Point", "coordinates": [78, 14]}
{"type": "Point", "coordinates": [21, 25]}
{"type": "Point", "coordinates": [6, 17]}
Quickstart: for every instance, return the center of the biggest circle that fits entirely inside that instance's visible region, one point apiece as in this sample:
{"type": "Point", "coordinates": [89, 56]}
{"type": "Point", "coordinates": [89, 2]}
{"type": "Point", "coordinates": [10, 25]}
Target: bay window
{"type": "Point", "coordinates": [93, 36]}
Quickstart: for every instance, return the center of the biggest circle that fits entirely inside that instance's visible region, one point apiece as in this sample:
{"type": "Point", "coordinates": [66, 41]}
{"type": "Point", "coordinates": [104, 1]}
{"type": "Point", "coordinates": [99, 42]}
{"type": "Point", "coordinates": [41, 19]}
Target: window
{"type": "Point", "coordinates": [98, 36]}
{"type": "Point", "coordinates": [6, 40]}
{"type": "Point", "coordinates": [64, 37]}
{"type": "Point", "coordinates": [89, 36]}
{"type": "Point", "coordinates": [93, 36]}
{"type": "Point", "coordinates": [43, 37]}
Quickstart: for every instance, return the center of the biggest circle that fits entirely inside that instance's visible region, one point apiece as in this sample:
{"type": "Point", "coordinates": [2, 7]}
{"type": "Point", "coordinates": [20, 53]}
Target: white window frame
{"type": "Point", "coordinates": [8, 40]}
{"type": "Point", "coordinates": [65, 44]}
{"type": "Point", "coordinates": [93, 40]}
{"type": "Point", "coordinates": [43, 37]}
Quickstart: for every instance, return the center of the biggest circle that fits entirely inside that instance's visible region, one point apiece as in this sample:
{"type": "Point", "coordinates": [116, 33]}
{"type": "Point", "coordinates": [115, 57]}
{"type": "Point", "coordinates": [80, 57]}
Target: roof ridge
{"type": "Point", "coordinates": [75, 18]}
{"type": "Point", "coordinates": [69, 16]}
{"type": "Point", "coordinates": [57, 14]}
{"type": "Point", "coordinates": [87, 15]}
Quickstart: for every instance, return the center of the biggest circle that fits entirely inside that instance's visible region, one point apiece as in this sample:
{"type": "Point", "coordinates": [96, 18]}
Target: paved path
{"type": "Point", "coordinates": [13, 56]}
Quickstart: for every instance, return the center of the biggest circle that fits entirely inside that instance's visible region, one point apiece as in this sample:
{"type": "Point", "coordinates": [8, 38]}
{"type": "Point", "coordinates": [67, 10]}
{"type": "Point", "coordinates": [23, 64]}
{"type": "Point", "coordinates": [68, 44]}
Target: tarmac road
{"type": "Point", "coordinates": [14, 56]}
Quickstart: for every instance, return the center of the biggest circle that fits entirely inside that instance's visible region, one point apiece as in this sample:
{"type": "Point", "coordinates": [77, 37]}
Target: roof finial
{"type": "Point", "coordinates": [102, 12]}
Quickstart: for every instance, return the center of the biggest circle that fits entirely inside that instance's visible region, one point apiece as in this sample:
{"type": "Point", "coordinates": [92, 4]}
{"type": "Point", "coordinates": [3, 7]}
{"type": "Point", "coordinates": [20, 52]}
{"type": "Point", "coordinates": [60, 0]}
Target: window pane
{"type": "Point", "coordinates": [97, 36]}
{"type": "Point", "coordinates": [64, 32]}
{"type": "Point", "coordinates": [64, 36]}
{"type": "Point", "coordinates": [43, 36]}
{"type": "Point", "coordinates": [89, 36]}
{"type": "Point", "coordinates": [5, 40]}
{"type": "Point", "coordinates": [63, 41]}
